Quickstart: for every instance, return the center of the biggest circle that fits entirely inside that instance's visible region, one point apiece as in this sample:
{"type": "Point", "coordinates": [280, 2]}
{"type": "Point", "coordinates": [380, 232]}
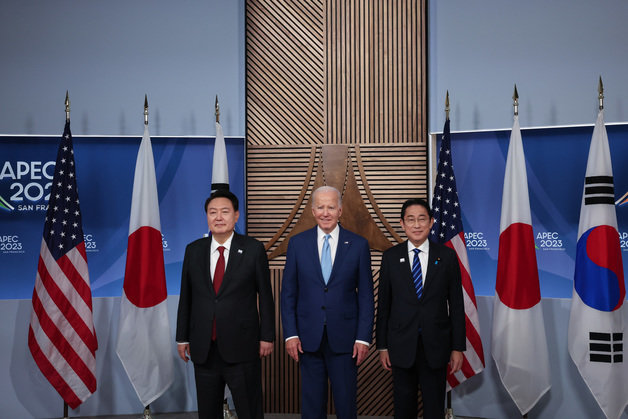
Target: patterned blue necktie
{"type": "Point", "coordinates": [417, 274]}
{"type": "Point", "coordinates": [326, 259]}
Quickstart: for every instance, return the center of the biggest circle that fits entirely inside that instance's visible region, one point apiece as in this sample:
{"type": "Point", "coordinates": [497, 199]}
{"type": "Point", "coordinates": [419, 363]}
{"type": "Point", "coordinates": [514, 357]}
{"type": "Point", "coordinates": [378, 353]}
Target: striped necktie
{"type": "Point", "coordinates": [417, 274]}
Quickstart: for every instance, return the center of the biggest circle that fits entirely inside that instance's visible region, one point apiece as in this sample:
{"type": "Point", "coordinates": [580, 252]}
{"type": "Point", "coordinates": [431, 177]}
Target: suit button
{"type": "Point", "coordinates": [323, 307]}
{"type": "Point", "coordinates": [325, 289]}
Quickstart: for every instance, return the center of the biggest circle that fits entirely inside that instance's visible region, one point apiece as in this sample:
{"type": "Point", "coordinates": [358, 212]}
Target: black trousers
{"type": "Point", "coordinates": [244, 380]}
{"type": "Point", "coordinates": [406, 383]}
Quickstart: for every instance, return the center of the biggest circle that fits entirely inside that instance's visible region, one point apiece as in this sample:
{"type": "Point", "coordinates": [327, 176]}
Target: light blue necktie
{"type": "Point", "coordinates": [326, 259]}
{"type": "Point", "coordinates": [417, 274]}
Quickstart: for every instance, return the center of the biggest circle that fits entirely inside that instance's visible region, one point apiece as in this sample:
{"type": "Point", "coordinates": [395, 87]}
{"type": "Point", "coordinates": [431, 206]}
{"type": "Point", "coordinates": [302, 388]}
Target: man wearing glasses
{"type": "Point", "coordinates": [420, 316]}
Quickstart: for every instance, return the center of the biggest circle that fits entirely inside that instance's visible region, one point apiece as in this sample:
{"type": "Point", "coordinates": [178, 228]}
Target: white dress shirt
{"type": "Point", "coordinates": [333, 242]}
{"type": "Point", "coordinates": [423, 257]}
{"type": "Point", "coordinates": [214, 254]}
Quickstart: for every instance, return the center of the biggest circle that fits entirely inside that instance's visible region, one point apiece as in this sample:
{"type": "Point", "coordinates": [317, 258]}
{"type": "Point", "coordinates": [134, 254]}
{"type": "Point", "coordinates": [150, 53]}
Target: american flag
{"type": "Point", "coordinates": [61, 335]}
{"type": "Point", "coordinates": [448, 230]}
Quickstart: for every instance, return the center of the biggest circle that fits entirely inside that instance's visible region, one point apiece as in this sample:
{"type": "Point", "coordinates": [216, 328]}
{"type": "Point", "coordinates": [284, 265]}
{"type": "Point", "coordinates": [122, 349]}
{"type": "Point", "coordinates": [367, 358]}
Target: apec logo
{"type": "Point", "coordinates": [90, 243]}
{"type": "Point", "coordinates": [623, 240]}
{"type": "Point", "coordinates": [28, 183]}
{"type": "Point", "coordinates": [11, 244]}
{"type": "Point", "coordinates": [476, 241]}
{"type": "Point", "coordinates": [164, 243]}
{"type": "Point", "coordinates": [549, 240]}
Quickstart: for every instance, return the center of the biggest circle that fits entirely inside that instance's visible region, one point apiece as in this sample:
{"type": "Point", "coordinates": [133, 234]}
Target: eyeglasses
{"type": "Point", "coordinates": [412, 221]}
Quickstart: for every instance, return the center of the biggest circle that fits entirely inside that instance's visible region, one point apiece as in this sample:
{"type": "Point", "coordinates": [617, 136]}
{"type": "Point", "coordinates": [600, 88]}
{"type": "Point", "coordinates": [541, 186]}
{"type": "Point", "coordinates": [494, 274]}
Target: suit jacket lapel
{"type": "Point", "coordinates": [313, 252]}
{"type": "Point", "coordinates": [341, 250]}
{"type": "Point", "coordinates": [208, 266]}
{"type": "Point", "coordinates": [432, 266]}
{"type": "Point", "coordinates": [406, 266]}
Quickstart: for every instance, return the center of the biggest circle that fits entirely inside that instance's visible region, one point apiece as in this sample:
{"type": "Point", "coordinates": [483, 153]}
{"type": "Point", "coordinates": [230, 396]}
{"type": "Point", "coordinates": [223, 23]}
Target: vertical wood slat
{"type": "Point", "coordinates": [335, 72]}
{"type": "Point", "coordinates": [376, 80]}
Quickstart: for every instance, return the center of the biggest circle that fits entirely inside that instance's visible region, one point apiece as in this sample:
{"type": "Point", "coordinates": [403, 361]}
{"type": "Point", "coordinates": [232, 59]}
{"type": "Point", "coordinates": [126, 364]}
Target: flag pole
{"type": "Point", "coordinates": [67, 119]}
{"type": "Point", "coordinates": [145, 109]}
{"type": "Point", "coordinates": [600, 93]}
{"type": "Point", "coordinates": [67, 106]}
{"type": "Point", "coordinates": [226, 411]}
{"type": "Point", "coordinates": [217, 107]}
{"type": "Point", "coordinates": [146, 414]}
{"type": "Point", "coordinates": [447, 106]}
{"type": "Point", "coordinates": [515, 105]}
{"type": "Point", "coordinates": [449, 414]}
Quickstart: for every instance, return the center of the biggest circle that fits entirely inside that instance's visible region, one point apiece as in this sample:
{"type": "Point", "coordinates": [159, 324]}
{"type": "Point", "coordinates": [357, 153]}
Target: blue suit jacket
{"type": "Point", "coordinates": [344, 305]}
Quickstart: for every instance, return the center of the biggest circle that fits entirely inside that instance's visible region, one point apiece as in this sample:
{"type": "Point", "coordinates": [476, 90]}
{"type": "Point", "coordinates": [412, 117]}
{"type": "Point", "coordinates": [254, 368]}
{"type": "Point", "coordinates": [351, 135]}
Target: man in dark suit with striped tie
{"type": "Point", "coordinates": [420, 315]}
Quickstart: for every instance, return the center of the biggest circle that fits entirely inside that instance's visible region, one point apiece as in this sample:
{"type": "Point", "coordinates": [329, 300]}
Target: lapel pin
{"type": "Point", "coordinates": [436, 261]}
{"type": "Point", "coordinates": [240, 251]}
{"type": "Point", "coordinates": [402, 260]}
{"type": "Point", "coordinates": [346, 242]}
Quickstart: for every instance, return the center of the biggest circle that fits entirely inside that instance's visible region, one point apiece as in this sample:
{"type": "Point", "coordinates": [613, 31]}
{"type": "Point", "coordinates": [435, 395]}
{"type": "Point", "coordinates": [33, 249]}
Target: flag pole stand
{"type": "Point", "coordinates": [146, 414]}
{"type": "Point", "coordinates": [226, 412]}
{"type": "Point", "coordinates": [449, 413]}
{"type": "Point", "coordinates": [65, 410]}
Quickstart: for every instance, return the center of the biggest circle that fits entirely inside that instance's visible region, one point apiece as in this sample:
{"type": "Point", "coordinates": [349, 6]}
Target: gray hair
{"type": "Point", "coordinates": [327, 188]}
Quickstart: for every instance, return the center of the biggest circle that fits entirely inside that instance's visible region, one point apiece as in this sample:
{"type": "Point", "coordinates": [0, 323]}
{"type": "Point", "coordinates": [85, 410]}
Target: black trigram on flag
{"type": "Point", "coordinates": [599, 190]}
{"type": "Point", "coordinates": [606, 347]}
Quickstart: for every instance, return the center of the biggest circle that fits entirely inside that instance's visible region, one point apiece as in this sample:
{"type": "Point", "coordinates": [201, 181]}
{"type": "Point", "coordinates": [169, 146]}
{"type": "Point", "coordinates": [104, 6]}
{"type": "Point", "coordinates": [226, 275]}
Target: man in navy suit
{"type": "Point", "coordinates": [226, 315]}
{"type": "Point", "coordinates": [327, 307]}
{"type": "Point", "coordinates": [420, 315]}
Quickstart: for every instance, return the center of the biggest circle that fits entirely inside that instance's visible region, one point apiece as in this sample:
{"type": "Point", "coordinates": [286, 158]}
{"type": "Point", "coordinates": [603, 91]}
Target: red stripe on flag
{"type": "Point", "coordinates": [51, 373]}
{"type": "Point", "coordinates": [65, 348]}
{"type": "Point", "coordinates": [451, 379]}
{"type": "Point", "coordinates": [78, 282]}
{"type": "Point", "coordinates": [66, 307]}
{"type": "Point", "coordinates": [467, 369]}
{"type": "Point", "coordinates": [473, 337]}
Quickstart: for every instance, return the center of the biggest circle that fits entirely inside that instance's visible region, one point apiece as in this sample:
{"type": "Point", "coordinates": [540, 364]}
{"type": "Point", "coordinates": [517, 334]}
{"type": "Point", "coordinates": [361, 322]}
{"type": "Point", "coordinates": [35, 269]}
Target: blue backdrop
{"type": "Point", "coordinates": [105, 168]}
{"type": "Point", "coordinates": [556, 161]}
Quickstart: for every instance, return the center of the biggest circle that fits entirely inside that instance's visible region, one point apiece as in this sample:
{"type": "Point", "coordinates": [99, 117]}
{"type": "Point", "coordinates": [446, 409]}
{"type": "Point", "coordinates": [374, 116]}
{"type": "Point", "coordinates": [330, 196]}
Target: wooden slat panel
{"type": "Point", "coordinates": [332, 72]}
{"type": "Point", "coordinates": [335, 72]}
{"type": "Point", "coordinates": [276, 179]}
{"type": "Point", "coordinates": [285, 73]}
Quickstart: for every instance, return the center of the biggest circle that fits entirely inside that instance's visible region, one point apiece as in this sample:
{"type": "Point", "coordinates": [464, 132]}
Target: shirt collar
{"type": "Point", "coordinates": [334, 233]}
{"type": "Point", "coordinates": [226, 244]}
{"type": "Point", "coordinates": [424, 247]}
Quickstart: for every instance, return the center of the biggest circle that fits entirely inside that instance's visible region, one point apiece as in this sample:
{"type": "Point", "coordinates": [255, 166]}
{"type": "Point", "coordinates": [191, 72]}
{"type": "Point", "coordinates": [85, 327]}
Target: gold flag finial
{"type": "Point", "coordinates": [600, 93]}
{"type": "Point", "coordinates": [447, 106]}
{"type": "Point", "coordinates": [145, 109]}
{"type": "Point", "coordinates": [515, 101]}
{"type": "Point", "coordinates": [67, 106]}
{"type": "Point", "coordinates": [217, 110]}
